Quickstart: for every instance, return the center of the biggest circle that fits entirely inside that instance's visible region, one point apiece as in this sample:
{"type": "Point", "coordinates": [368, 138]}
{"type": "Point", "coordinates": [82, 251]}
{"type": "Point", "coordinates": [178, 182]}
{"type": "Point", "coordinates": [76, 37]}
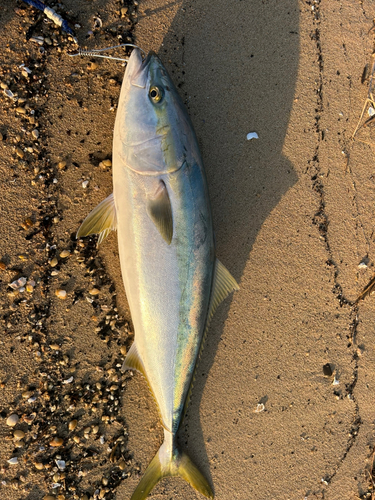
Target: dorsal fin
{"type": "Point", "coordinates": [223, 284]}
{"type": "Point", "coordinates": [159, 210]}
{"type": "Point", "coordinates": [102, 220]}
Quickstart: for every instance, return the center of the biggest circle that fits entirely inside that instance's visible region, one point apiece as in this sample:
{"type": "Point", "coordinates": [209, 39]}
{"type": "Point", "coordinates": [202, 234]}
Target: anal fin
{"type": "Point", "coordinates": [133, 361]}
{"type": "Point", "coordinates": [102, 220]}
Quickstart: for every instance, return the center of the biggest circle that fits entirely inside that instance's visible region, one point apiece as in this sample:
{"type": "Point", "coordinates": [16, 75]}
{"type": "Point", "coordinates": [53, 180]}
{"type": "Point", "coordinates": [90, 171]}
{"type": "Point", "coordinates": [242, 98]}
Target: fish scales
{"type": "Point", "coordinates": [173, 281]}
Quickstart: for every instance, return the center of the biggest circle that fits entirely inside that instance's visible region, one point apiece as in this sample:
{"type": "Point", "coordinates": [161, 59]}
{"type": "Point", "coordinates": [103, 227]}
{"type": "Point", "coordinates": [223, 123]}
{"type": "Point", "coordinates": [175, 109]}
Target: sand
{"type": "Point", "coordinates": [293, 214]}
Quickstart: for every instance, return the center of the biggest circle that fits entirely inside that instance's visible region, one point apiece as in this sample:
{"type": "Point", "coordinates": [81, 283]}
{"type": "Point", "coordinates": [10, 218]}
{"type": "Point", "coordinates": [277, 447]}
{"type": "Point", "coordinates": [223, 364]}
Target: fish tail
{"type": "Point", "coordinates": [170, 462]}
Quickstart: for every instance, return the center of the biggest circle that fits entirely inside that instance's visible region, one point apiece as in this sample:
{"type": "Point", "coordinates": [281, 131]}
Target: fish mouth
{"type": "Point", "coordinates": [139, 69]}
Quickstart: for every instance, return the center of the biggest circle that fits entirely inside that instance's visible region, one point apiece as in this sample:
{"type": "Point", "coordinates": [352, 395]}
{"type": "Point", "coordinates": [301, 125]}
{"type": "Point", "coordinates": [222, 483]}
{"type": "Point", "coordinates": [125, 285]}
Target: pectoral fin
{"type": "Point", "coordinates": [159, 210]}
{"type": "Point", "coordinates": [101, 220]}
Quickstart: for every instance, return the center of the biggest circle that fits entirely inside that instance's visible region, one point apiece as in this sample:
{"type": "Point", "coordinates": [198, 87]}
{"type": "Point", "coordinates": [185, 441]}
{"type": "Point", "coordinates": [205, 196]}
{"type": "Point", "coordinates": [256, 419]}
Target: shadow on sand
{"type": "Point", "coordinates": [236, 67]}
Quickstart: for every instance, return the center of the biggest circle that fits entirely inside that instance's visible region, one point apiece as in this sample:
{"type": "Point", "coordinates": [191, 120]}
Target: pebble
{"type": "Point", "coordinates": [3, 85]}
{"type": "Point", "coordinates": [29, 288]}
{"type": "Point", "coordinates": [20, 110]}
{"type": "Point", "coordinates": [19, 152]}
{"type": "Point", "coordinates": [122, 464]}
{"type": "Point", "coordinates": [56, 441]}
{"type": "Point", "coordinates": [73, 424]}
{"type": "Point", "coordinates": [85, 184]}
{"type": "Point", "coordinates": [61, 165]}
{"type": "Point", "coordinates": [53, 262]}
{"type": "Point", "coordinates": [12, 420]}
{"type": "Point", "coordinates": [35, 133]}
{"type": "Point", "coordinates": [92, 66]}
{"type": "Point", "coordinates": [327, 370]}
{"type": "Point", "coordinates": [38, 465]}
{"type": "Point", "coordinates": [18, 435]}
{"type": "Point", "coordinates": [107, 163]}
{"type": "Point", "coordinates": [13, 461]}
{"type": "Point", "coordinates": [61, 294]}
{"type": "Point", "coordinates": [27, 223]}
{"type": "Point", "coordinates": [1, 136]}
{"type": "Point", "coordinates": [94, 291]}
{"type": "Point", "coordinates": [64, 254]}
{"type": "Point", "coordinates": [55, 272]}
{"type": "Point", "coordinates": [60, 464]}
{"type": "Point", "coordinates": [123, 350]}
{"type": "Point", "coordinates": [95, 429]}
{"type": "Point", "coordinates": [3, 266]}
{"type": "Point", "coordinates": [55, 347]}
{"type": "Point", "coordinates": [49, 497]}
{"type": "Point", "coordinates": [124, 11]}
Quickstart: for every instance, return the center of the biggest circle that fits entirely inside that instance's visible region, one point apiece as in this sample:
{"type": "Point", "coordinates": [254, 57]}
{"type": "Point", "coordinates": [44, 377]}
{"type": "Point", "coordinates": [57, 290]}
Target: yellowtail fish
{"type": "Point", "coordinates": [173, 281]}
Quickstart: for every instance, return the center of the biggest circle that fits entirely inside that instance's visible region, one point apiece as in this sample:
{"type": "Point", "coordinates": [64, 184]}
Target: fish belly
{"type": "Point", "coordinates": [167, 286]}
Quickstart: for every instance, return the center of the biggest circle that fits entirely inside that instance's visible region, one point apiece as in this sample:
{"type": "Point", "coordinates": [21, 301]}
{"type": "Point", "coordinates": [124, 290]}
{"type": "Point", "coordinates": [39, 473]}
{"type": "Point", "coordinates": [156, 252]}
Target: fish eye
{"type": "Point", "coordinates": [155, 94]}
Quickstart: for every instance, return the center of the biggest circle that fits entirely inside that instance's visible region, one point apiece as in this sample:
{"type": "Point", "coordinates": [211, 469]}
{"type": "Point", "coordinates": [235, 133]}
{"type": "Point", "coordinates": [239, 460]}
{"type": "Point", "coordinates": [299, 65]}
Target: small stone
{"type": "Point", "coordinates": [56, 442]}
{"type": "Point", "coordinates": [18, 435]}
{"type": "Point", "coordinates": [123, 350]}
{"type": "Point", "coordinates": [124, 11]}
{"type": "Point", "coordinates": [73, 424]}
{"type": "Point", "coordinates": [49, 497]}
{"type": "Point", "coordinates": [85, 184]}
{"type": "Point", "coordinates": [107, 163]}
{"type": "Point", "coordinates": [64, 254]}
{"type": "Point", "coordinates": [55, 272]}
{"type": "Point", "coordinates": [38, 465]}
{"type": "Point", "coordinates": [61, 294]}
{"type": "Point", "coordinates": [55, 347]}
{"type": "Point", "coordinates": [61, 165]}
{"type": "Point", "coordinates": [94, 291]}
{"type": "Point", "coordinates": [95, 429]}
{"type": "Point", "coordinates": [53, 262]}
{"type": "Point", "coordinates": [27, 394]}
{"type": "Point", "coordinates": [19, 152]}
{"type": "Point", "coordinates": [19, 444]}
{"type": "Point", "coordinates": [21, 111]}
{"type": "Point", "coordinates": [327, 370]}
{"type": "Point", "coordinates": [122, 464]}
{"type": "Point", "coordinates": [29, 288]}
{"type": "Point", "coordinates": [3, 266]}
{"type": "Point", "coordinates": [12, 420]}
{"type": "Point", "coordinates": [48, 40]}
{"type": "Point", "coordinates": [1, 136]}
{"type": "Point", "coordinates": [76, 439]}
{"type": "Point", "coordinates": [4, 86]}
{"type": "Point", "coordinates": [13, 461]}
{"type": "Point", "coordinates": [35, 133]}
{"type": "Point", "coordinates": [92, 66]}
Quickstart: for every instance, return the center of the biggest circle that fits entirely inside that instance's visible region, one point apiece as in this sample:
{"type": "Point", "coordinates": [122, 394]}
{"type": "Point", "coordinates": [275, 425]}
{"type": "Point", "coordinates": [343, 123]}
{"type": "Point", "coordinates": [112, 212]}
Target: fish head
{"type": "Point", "coordinates": [153, 132]}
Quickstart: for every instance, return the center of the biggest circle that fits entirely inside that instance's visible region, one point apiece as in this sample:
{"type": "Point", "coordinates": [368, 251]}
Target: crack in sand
{"type": "Point", "coordinates": [320, 220]}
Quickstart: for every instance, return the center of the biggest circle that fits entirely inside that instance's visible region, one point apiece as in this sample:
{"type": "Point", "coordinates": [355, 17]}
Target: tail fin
{"type": "Point", "coordinates": [170, 462]}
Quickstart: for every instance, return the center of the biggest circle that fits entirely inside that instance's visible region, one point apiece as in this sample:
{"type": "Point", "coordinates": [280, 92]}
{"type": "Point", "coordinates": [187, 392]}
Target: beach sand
{"type": "Point", "coordinates": [293, 213]}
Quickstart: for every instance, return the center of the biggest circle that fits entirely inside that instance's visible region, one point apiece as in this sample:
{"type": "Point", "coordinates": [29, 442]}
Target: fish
{"type": "Point", "coordinates": [173, 280]}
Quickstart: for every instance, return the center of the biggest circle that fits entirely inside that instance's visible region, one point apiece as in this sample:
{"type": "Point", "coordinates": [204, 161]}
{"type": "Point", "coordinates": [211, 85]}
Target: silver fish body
{"type": "Point", "coordinates": [173, 281]}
